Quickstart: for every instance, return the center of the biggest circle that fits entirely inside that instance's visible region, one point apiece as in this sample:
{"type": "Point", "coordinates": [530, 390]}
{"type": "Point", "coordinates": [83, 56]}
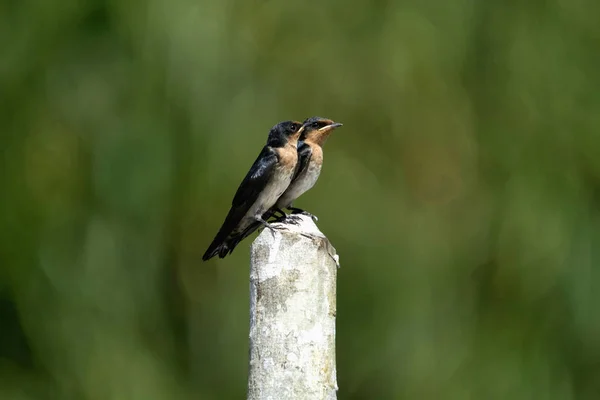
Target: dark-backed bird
{"type": "Point", "coordinates": [267, 180]}
{"type": "Point", "coordinates": [315, 131]}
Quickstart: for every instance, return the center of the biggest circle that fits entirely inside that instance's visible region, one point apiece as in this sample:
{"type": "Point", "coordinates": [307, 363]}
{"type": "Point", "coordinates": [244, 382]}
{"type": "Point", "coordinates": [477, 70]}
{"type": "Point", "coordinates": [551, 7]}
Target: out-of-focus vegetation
{"type": "Point", "coordinates": [462, 193]}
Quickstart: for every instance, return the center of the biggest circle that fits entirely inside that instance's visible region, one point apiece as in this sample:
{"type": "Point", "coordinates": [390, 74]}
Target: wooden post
{"type": "Point", "coordinates": [292, 314]}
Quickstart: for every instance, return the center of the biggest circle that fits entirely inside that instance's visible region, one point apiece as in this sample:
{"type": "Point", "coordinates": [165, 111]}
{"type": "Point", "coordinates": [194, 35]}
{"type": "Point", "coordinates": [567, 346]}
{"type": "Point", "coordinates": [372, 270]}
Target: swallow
{"type": "Point", "coordinates": [315, 131]}
{"type": "Point", "coordinates": [267, 180]}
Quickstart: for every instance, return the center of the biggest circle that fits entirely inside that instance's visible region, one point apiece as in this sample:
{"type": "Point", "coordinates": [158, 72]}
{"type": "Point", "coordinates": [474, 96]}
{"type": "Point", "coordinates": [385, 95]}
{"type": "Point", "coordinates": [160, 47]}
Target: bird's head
{"type": "Point", "coordinates": [285, 132]}
{"type": "Point", "coordinates": [317, 129]}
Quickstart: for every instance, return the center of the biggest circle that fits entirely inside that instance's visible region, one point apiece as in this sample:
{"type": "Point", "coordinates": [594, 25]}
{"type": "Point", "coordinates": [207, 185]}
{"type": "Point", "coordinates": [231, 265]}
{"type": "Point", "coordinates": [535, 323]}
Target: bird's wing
{"type": "Point", "coordinates": [256, 179]}
{"type": "Point", "coordinates": [247, 193]}
{"type": "Point", "coordinates": [304, 155]}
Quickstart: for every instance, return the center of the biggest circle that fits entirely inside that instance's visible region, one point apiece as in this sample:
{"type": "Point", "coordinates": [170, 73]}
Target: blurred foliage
{"type": "Point", "coordinates": [462, 193]}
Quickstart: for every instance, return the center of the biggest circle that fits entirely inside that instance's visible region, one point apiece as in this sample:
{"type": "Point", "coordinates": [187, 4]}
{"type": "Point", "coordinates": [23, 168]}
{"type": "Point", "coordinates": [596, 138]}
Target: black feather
{"type": "Point", "coordinates": [304, 155]}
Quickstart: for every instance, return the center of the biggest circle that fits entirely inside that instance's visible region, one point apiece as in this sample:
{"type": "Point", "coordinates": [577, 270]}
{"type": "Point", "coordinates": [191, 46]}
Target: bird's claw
{"type": "Point", "coordinates": [266, 225]}
{"type": "Point", "coordinates": [312, 216]}
{"type": "Point", "coordinates": [292, 219]}
{"type": "Point", "coordinates": [300, 211]}
{"type": "Point", "coordinates": [281, 218]}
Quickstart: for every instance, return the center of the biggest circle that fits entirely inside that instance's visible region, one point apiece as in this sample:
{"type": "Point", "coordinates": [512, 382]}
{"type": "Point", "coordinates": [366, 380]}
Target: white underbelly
{"type": "Point", "coordinates": [305, 182]}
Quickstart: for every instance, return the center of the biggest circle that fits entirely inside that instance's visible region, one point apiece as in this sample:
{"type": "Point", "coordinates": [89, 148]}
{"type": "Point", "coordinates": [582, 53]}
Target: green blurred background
{"type": "Point", "coordinates": [462, 193]}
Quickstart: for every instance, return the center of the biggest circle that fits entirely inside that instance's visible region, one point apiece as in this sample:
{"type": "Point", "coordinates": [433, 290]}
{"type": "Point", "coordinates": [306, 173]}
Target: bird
{"type": "Point", "coordinates": [310, 161]}
{"type": "Point", "coordinates": [268, 178]}
{"type": "Point", "coordinates": [315, 131]}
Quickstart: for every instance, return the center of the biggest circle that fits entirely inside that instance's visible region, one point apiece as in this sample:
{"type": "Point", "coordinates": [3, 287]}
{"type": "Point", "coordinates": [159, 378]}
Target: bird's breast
{"type": "Point", "coordinates": [304, 182]}
{"type": "Point", "coordinates": [288, 157]}
{"type": "Point", "coordinates": [310, 176]}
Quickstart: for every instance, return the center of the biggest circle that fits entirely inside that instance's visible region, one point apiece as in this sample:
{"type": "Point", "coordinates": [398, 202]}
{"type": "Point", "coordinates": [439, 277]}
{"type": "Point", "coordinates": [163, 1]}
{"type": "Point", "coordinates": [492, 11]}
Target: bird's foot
{"type": "Point", "coordinates": [280, 218]}
{"type": "Point", "coordinates": [295, 210]}
{"type": "Point", "coordinates": [266, 225]}
{"type": "Point", "coordinates": [292, 219]}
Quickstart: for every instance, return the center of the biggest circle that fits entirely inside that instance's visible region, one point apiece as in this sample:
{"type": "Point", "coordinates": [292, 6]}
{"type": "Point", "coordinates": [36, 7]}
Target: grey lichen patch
{"type": "Point", "coordinates": [274, 300]}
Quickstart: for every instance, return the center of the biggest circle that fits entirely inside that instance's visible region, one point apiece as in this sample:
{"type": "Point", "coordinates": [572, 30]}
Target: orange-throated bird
{"type": "Point", "coordinates": [268, 178]}
{"type": "Point", "coordinates": [315, 132]}
{"type": "Point", "coordinates": [310, 161]}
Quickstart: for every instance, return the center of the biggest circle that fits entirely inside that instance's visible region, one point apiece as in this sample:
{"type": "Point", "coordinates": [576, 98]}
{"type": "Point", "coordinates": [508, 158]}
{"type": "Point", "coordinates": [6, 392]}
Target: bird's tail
{"type": "Point", "coordinates": [219, 243]}
{"type": "Point", "coordinates": [224, 247]}
{"type": "Point", "coordinates": [218, 248]}
{"type": "Point", "coordinates": [234, 240]}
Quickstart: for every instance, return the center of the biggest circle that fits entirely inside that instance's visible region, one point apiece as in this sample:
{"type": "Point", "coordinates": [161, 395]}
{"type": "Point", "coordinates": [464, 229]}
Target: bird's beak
{"type": "Point", "coordinates": [300, 130]}
{"type": "Point", "coordinates": [331, 126]}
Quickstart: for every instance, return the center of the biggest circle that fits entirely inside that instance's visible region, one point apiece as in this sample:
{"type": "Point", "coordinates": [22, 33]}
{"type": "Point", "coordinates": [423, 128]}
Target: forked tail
{"type": "Point", "coordinates": [223, 247]}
